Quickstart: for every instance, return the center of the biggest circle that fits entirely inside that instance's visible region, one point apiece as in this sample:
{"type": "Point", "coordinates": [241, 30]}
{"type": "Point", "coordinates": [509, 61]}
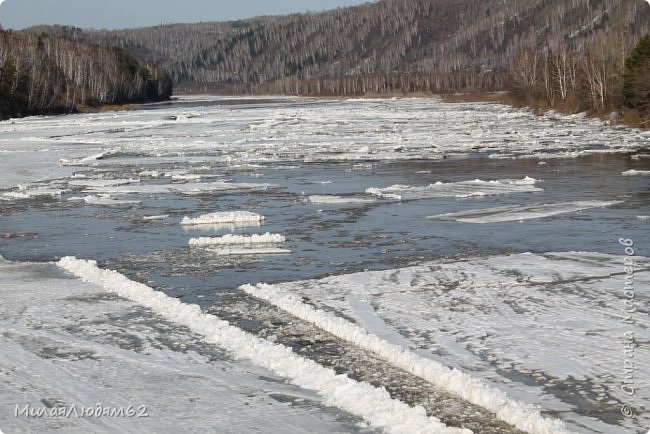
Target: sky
{"type": "Point", "coordinates": [114, 14]}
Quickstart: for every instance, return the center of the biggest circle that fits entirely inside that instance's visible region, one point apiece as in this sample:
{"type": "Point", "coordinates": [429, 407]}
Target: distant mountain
{"type": "Point", "coordinates": [407, 45]}
{"type": "Point", "coordinates": [119, 14]}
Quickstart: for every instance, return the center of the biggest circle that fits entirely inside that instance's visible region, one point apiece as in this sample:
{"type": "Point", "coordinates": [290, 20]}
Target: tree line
{"type": "Point", "coordinates": [385, 46]}
{"type": "Point", "coordinates": [613, 73]}
{"type": "Point", "coordinates": [565, 54]}
{"type": "Point", "coordinates": [42, 74]}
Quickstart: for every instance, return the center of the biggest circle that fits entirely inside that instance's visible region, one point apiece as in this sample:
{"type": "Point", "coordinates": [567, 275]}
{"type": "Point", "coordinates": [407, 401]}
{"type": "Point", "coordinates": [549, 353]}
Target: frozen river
{"type": "Point", "coordinates": [465, 257]}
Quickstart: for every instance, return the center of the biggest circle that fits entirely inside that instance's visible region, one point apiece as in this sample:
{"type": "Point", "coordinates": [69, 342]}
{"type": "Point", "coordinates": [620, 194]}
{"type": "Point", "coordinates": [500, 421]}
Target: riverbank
{"type": "Point", "coordinates": [85, 108]}
{"type": "Point", "coordinates": [622, 116]}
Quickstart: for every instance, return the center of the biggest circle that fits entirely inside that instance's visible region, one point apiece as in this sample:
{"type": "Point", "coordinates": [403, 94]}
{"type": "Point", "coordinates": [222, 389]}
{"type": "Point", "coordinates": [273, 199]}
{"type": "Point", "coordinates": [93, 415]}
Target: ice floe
{"type": "Point", "coordinates": [333, 199]}
{"type": "Point", "coordinates": [190, 188]}
{"type": "Point", "coordinates": [155, 217]}
{"type": "Point", "coordinates": [101, 182]}
{"type": "Point", "coordinates": [521, 212]}
{"type": "Point", "coordinates": [634, 172]}
{"type": "Point", "coordinates": [186, 177]}
{"type": "Point", "coordinates": [247, 251]}
{"type": "Point", "coordinates": [149, 173]}
{"type": "Point", "coordinates": [81, 161]}
{"type": "Point", "coordinates": [104, 201]}
{"type": "Point", "coordinates": [476, 187]}
{"type": "Point", "coordinates": [31, 192]}
{"type": "Point", "coordinates": [231, 239]}
{"type": "Point", "coordinates": [223, 217]}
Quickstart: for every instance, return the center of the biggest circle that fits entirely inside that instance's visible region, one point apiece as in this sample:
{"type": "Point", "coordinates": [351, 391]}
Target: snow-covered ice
{"type": "Point", "coordinates": [223, 217]}
{"type": "Point", "coordinates": [231, 239]}
{"type": "Point", "coordinates": [82, 346]}
{"type": "Point", "coordinates": [31, 192]}
{"type": "Point", "coordinates": [554, 320]}
{"type": "Point", "coordinates": [243, 251]}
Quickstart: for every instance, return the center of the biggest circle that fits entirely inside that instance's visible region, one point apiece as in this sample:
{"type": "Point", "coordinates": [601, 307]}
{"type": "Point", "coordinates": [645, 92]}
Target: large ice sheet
{"type": "Point", "coordinates": [523, 416]}
{"type": "Point", "coordinates": [548, 329]}
{"type": "Point", "coordinates": [69, 343]}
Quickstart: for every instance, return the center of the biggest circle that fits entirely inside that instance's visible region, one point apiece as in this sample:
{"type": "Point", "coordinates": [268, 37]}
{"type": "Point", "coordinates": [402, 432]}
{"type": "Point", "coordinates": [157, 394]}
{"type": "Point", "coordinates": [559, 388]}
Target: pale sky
{"type": "Point", "coordinates": [111, 14]}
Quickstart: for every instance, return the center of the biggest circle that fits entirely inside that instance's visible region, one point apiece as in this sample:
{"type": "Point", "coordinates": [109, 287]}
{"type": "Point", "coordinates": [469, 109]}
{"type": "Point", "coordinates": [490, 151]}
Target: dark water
{"type": "Point", "coordinates": [329, 239]}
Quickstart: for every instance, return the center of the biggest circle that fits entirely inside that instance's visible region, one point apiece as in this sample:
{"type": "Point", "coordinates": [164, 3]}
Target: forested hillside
{"type": "Point", "coordinates": [42, 74]}
{"type": "Point", "coordinates": [386, 46]}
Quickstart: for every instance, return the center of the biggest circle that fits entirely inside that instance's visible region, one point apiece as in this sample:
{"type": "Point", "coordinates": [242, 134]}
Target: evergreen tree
{"type": "Point", "coordinates": [636, 78]}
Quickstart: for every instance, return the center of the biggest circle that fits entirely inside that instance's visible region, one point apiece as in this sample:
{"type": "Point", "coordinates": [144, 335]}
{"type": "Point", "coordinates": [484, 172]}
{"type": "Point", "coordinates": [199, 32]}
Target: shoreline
{"type": "Point", "coordinates": [82, 109]}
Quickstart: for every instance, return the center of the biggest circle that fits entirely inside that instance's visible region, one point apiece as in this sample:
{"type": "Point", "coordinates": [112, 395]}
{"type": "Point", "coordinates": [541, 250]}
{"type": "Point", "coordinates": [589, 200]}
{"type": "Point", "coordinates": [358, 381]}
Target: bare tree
{"type": "Point", "coordinates": [40, 74]}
